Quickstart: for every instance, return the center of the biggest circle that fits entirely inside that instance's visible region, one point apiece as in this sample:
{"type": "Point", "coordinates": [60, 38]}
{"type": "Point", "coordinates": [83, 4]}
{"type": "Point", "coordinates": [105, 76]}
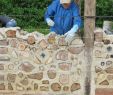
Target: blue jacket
{"type": "Point", "coordinates": [64, 19]}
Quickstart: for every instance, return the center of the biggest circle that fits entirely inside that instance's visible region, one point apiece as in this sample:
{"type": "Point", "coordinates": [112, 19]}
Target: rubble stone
{"type": "Point", "coordinates": [4, 43]}
{"type": "Point", "coordinates": [56, 87]}
{"type": "Point", "coordinates": [75, 86]}
{"type": "Point", "coordinates": [11, 78]}
{"type": "Point", "coordinates": [3, 50]}
{"type": "Point", "coordinates": [31, 40]}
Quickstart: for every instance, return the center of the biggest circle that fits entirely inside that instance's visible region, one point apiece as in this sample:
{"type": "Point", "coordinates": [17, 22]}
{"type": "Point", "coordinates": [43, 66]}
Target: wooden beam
{"type": "Point", "coordinates": [89, 26]}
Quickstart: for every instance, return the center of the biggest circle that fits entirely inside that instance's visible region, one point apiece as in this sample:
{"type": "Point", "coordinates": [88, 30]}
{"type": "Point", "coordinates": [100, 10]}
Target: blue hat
{"type": "Point", "coordinates": [11, 23]}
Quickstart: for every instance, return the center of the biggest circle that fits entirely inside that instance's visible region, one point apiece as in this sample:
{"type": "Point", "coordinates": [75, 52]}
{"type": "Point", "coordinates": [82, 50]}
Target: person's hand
{"type": "Point", "coordinates": [50, 22]}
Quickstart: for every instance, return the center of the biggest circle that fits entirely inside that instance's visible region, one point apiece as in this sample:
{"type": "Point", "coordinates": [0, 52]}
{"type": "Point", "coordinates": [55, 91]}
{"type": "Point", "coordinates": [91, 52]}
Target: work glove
{"type": "Point", "coordinates": [70, 35]}
{"type": "Point", "coordinates": [50, 22]}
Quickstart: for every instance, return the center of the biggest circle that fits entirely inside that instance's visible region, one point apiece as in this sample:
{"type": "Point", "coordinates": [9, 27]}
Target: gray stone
{"type": "Point", "coordinates": [4, 43]}
{"type": "Point", "coordinates": [4, 58]}
{"type": "Point", "coordinates": [3, 50]}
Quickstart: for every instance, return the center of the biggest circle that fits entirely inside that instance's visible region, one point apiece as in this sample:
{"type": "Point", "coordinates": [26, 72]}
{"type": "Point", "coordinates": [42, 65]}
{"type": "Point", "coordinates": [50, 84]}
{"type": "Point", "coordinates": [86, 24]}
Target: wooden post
{"type": "Point", "coordinates": [89, 26]}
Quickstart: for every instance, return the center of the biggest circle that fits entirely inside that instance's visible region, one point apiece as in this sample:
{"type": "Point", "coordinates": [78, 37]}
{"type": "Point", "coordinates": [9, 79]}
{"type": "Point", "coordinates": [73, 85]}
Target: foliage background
{"type": "Point", "coordinates": [29, 14]}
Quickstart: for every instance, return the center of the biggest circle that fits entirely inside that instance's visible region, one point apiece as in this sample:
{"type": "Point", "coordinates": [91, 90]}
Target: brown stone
{"type": "Point", "coordinates": [105, 82]}
{"type": "Point", "coordinates": [1, 67]}
{"type": "Point", "coordinates": [62, 41]}
{"type": "Point", "coordinates": [10, 87]}
{"type": "Point", "coordinates": [11, 33]}
{"type": "Point", "coordinates": [65, 88]}
{"type": "Point", "coordinates": [26, 66]}
{"type": "Point", "coordinates": [21, 46]}
{"type": "Point", "coordinates": [13, 43]}
{"type": "Point", "coordinates": [110, 77]}
{"type": "Point", "coordinates": [4, 58]}
{"type": "Point", "coordinates": [51, 74]}
{"type": "Point", "coordinates": [51, 39]}
{"type": "Point", "coordinates": [44, 88]}
{"type": "Point", "coordinates": [2, 86]}
{"type": "Point", "coordinates": [29, 88]}
{"type": "Point", "coordinates": [64, 79]}
{"type": "Point", "coordinates": [76, 50]}
{"type": "Point", "coordinates": [65, 66]}
{"type": "Point", "coordinates": [43, 44]}
{"type": "Point", "coordinates": [35, 86]}
{"type": "Point", "coordinates": [62, 55]}
{"type": "Point", "coordinates": [104, 91]}
{"type": "Point", "coordinates": [25, 81]}
{"type": "Point", "coordinates": [109, 70]}
{"type": "Point", "coordinates": [3, 50]}
{"type": "Point", "coordinates": [75, 86]}
{"type": "Point", "coordinates": [37, 76]}
{"type": "Point", "coordinates": [98, 69]}
{"type": "Point", "coordinates": [106, 42]}
{"type": "Point", "coordinates": [31, 40]}
{"type": "Point", "coordinates": [56, 87]}
{"type": "Point", "coordinates": [45, 82]}
{"type": "Point", "coordinates": [1, 77]}
{"type": "Point", "coordinates": [11, 78]}
{"type": "Point", "coordinates": [4, 43]}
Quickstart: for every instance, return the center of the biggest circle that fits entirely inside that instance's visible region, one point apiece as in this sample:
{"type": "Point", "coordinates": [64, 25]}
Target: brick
{"type": "Point", "coordinates": [3, 50]}
{"type": "Point", "coordinates": [4, 43]}
{"type": "Point", "coordinates": [75, 86]}
{"type": "Point", "coordinates": [11, 33]}
{"type": "Point", "coordinates": [104, 91]}
{"type": "Point", "coordinates": [31, 40]}
{"type": "Point", "coordinates": [56, 87]}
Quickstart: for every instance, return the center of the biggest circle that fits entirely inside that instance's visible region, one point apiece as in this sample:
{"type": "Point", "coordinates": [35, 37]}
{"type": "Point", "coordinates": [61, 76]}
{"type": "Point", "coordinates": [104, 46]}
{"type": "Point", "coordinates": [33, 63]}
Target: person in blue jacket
{"type": "Point", "coordinates": [63, 18]}
{"type": "Point", "coordinates": [7, 21]}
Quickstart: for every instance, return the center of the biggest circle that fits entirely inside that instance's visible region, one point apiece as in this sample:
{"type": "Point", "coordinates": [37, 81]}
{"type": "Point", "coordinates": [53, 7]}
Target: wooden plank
{"type": "Point", "coordinates": [89, 26]}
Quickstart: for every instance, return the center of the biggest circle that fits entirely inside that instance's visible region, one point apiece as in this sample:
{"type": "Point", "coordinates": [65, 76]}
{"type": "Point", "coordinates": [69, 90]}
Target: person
{"type": "Point", "coordinates": [63, 18]}
{"type": "Point", "coordinates": [7, 21]}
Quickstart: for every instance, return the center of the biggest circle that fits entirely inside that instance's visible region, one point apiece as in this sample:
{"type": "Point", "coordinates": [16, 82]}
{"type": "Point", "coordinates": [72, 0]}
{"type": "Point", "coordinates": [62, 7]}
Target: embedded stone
{"type": "Point", "coordinates": [37, 76]}
{"type": "Point", "coordinates": [106, 42]}
{"type": "Point", "coordinates": [25, 81]}
{"type": "Point", "coordinates": [98, 53]}
{"type": "Point", "coordinates": [1, 77]}
{"type": "Point", "coordinates": [13, 43]}
{"type": "Point", "coordinates": [76, 50]}
{"type": "Point", "coordinates": [21, 46]}
{"type": "Point", "coordinates": [11, 78]}
{"type": "Point", "coordinates": [65, 66]}
{"type": "Point", "coordinates": [62, 55]}
{"type": "Point", "coordinates": [1, 67]}
{"type": "Point", "coordinates": [108, 63]}
{"type": "Point", "coordinates": [10, 87]}
{"type": "Point", "coordinates": [105, 82]}
{"type": "Point", "coordinates": [29, 88]}
{"type": "Point", "coordinates": [110, 77]}
{"type": "Point", "coordinates": [31, 40]}
{"type": "Point", "coordinates": [11, 33]}
{"type": "Point", "coordinates": [3, 50]}
{"type": "Point", "coordinates": [11, 66]}
{"type": "Point", "coordinates": [19, 87]}
{"type": "Point", "coordinates": [4, 43]}
{"type": "Point", "coordinates": [55, 47]}
{"type": "Point", "coordinates": [35, 86]}
{"type": "Point", "coordinates": [75, 86]}
{"type": "Point", "coordinates": [64, 79]}
{"type": "Point", "coordinates": [51, 39]}
{"type": "Point", "coordinates": [45, 82]}
{"type": "Point", "coordinates": [2, 86]}
{"type": "Point", "coordinates": [109, 70]}
{"type": "Point", "coordinates": [109, 49]}
{"type": "Point", "coordinates": [56, 87]}
{"type": "Point", "coordinates": [51, 74]}
{"type": "Point", "coordinates": [98, 44]}
{"type": "Point", "coordinates": [65, 88]}
{"type": "Point", "coordinates": [20, 74]}
{"type": "Point", "coordinates": [62, 41]}
{"type": "Point", "coordinates": [98, 69]}
{"type": "Point", "coordinates": [43, 44]}
{"type": "Point", "coordinates": [26, 66]}
{"type": "Point", "coordinates": [44, 88]}
{"type": "Point", "coordinates": [99, 36]}
{"type": "Point", "coordinates": [4, 58]}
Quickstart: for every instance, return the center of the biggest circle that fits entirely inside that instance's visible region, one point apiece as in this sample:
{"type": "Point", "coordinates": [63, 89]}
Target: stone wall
{"type": "Point", "coordinates": [34, 64]}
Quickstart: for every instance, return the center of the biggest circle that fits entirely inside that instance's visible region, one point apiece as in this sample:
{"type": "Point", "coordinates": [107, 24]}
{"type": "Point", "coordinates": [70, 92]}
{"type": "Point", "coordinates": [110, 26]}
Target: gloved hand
{"type": "Point", "coordinates": [50, 22]}
{"type": "Point", "coordinates": [70, 35]}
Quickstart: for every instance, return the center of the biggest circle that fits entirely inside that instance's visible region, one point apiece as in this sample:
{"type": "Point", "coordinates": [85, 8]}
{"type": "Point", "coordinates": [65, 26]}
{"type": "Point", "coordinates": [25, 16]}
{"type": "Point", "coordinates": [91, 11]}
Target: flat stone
{"type": "Point", "coordinates": [62, 41]}
{"type": "Point", "coordinates": [10, 87]}
{"type": "Point", "coordinates": [98, 53]}
{"type": "Point", "coordinates": [51, 39]}
{"type": "Point", "coordinates": [75, 86]}
{"type": "Point", "coordinates": [21, 46]}
{"type": "Point", "coordinates": [37, 76]}
{"type": "Point", "coordinates": [76, 50]}
{"type": "Point", "coordinates": [43, 44]}
{"type": "Point", "coordinates": [45, 82]}
{"type": "Point", "coordinates": [4, 58]}
{"type": "Point", "coordinates": [2, 86]}
{"type": "Point", "coordinates": [11, 78]}
{"type": "Point", "coordinates": [65, 66]}
{"type": "Point", "coordinates": [31, 40]}
{"type": "Point", "coordinates": [51, 74]}
{"type": "Point", "coordinates": [1, 67]}
{"type": "Point", "coordinates": [62, 55]}
{"type": "Point", "coordinates": [1, 77]}
{"type": "Point", "coordinates": [98, 69]}
{"type": "Point", "coordinates": [98, 36]}
{"type": "Point", "coordinates": [13, 43]}
{"type": "Point", "coordinates": [11, 33]}
{"type": "Point", "coordinates": [65, 88]}
{"type": "Point", "coordinates": [110, 77]}
{"type": "Point", "coordinates": [64, 79]}
{"type": "Point", "coordinates": [26, 66]}
{"type": "Point", "coordinates": [44, 88]}
{"type": "Point", "coordinates": [109, 70]}
{"type": "Point", "coordinates": [25, 81]}
{"type": "Point", "coordinates": [56, 87]}
{"type": "Point", "coordinates": [105, 82]}
{"type": "Point", "coordinates": [3, 50]}
{"type": "Point", "coordinates": [4, 43]}
{"type": "Point", "coordinates": [35, 86]}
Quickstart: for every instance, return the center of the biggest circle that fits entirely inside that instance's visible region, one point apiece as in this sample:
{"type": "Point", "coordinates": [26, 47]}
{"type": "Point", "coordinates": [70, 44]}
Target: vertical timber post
{"type": "Point", "coordinates": [89, 26]}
